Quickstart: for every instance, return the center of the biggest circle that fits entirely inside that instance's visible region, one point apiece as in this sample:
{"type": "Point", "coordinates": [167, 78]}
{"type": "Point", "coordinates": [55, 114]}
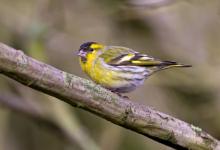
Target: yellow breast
{"type": "Point", "coordinates": [96, 71]}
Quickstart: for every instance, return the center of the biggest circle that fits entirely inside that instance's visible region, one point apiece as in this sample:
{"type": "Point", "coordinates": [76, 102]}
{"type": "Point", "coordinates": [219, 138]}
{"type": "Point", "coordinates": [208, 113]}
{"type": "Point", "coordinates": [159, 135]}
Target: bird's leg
{"type": "Point", "coordinates": [120, 95]}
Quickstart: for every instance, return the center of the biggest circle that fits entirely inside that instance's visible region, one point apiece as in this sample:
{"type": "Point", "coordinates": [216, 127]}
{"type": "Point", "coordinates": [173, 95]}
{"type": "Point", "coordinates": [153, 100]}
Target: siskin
{"type": "Point", "coordinates": [117, 68]}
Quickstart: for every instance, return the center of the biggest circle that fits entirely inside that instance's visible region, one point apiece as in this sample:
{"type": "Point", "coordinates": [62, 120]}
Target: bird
{"type": "Point", "coordinates": [119, 69]}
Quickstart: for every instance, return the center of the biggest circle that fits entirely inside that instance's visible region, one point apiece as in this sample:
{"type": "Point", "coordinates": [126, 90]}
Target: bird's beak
{"type": "Point", "coordinates": [81, 53]}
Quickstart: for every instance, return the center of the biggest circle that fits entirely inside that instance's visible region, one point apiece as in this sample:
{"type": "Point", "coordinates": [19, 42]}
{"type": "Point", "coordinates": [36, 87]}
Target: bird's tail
{"type": "Point", "coordinates": [170, 64]}
{"type": "Point", "coordinates": [165, 65]}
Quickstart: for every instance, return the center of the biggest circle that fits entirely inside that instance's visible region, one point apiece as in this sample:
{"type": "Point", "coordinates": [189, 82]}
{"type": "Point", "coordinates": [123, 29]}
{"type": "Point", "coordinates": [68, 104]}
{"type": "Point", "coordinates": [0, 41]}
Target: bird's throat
{"type": "Point", "coordinates": [83, 59]}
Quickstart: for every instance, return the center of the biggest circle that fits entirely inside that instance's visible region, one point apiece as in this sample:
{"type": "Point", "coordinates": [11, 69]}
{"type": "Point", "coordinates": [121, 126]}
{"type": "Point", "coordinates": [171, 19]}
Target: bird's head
{"type": "Point", "coordinates": [89, 49]}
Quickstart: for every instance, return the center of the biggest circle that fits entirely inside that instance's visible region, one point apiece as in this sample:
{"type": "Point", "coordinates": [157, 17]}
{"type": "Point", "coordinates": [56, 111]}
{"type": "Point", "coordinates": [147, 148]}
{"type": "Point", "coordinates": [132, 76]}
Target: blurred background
{"type": "Point", "coordinates": [186, 31]}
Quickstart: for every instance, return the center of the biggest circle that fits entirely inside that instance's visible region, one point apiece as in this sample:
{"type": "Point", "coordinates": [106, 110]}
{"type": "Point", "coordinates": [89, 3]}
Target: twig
{"type": "Point", "coordinates": [86, 95]}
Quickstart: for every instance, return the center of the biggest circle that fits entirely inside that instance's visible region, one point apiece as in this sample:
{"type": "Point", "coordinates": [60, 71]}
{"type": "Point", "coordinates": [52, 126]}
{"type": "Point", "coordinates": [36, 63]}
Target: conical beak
{"type": "Point", "coordinates": [81, 53]}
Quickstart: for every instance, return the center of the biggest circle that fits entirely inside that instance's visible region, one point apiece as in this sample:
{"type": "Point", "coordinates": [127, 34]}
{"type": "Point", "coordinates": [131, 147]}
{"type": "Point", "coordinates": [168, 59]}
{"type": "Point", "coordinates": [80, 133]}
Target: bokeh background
{"type": "Point", "coordinates": [51, 30]}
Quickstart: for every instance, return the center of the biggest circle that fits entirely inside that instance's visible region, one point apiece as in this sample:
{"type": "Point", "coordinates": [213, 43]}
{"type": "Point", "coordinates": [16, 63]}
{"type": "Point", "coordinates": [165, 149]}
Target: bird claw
{"type": "Point", "coordinates": [120, 95]}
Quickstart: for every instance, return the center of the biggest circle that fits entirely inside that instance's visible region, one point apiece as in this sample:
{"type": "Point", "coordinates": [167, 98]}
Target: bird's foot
{"type": "Point", "coordinates": [120, 95]}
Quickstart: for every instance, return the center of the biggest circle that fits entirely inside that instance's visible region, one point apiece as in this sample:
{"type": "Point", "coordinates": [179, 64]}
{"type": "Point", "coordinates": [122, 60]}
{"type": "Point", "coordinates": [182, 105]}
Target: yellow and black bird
{"type": "Point", "coordinates": [117, 68]}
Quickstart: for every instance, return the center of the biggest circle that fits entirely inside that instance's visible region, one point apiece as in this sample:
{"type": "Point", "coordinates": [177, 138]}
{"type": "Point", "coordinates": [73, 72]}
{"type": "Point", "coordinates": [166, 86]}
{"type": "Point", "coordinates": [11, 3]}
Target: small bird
{"type": "Point", "coordinates": [117, 68]}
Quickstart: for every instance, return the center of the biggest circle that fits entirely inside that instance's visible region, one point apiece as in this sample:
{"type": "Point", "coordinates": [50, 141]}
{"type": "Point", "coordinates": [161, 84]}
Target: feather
{"type": "Point", "coordinates": [121, 56]}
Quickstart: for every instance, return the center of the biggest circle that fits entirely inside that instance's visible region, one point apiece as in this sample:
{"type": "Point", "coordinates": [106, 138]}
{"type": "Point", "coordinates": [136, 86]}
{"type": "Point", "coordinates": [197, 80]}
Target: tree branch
{"type": "Point", "coordinates": [89, 96]}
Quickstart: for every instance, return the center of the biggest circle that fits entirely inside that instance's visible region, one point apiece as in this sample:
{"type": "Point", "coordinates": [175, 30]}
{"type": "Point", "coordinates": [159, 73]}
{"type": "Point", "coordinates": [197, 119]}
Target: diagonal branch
{"type": "Point", "coordinates": [86, 95]}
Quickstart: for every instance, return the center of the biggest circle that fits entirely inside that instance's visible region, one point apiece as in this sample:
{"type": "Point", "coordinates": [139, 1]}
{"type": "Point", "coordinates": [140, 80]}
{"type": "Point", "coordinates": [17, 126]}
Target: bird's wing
{"type": "Point", "coordinates": [117, 56]}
